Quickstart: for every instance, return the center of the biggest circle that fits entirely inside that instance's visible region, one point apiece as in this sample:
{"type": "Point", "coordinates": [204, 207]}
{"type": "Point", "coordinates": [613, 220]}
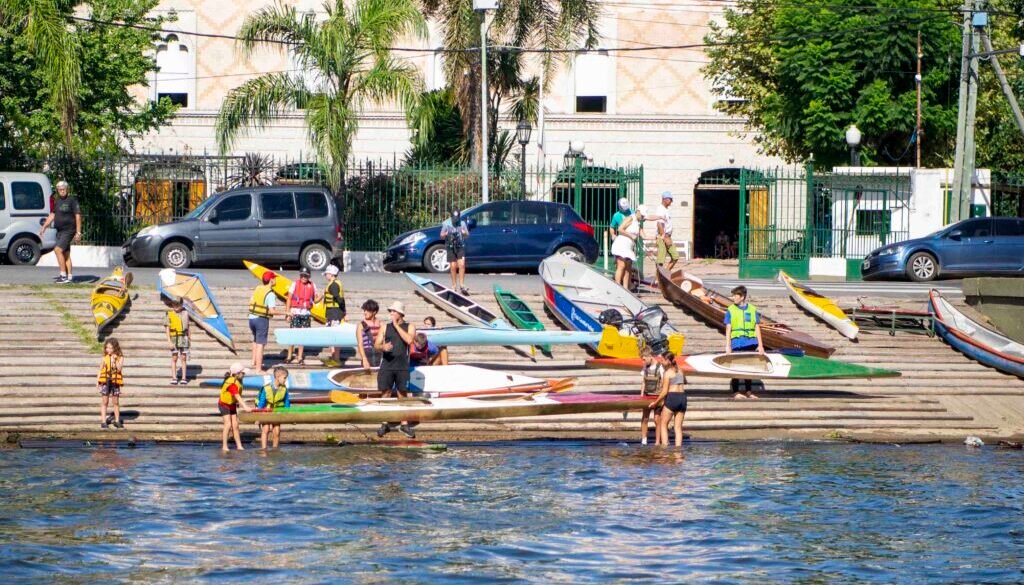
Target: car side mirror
{"type": "Point", "coordinates": [471, 223]}
{"type": "Point", "coordinates": [955, 235]}
{"type": "Point", "coordinates": [212, 218]}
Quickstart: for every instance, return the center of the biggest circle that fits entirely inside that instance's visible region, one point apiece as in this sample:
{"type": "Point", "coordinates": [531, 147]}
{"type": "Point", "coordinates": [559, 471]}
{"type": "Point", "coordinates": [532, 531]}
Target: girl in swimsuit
{"type": "Point", "coordinates": [650, 385]}
{"type": "Point", "coordinates": [672, 397]}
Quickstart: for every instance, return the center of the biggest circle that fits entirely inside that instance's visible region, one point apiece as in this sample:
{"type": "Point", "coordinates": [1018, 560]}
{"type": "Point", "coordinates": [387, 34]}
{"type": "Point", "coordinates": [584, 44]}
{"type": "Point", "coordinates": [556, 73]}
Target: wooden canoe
{"type": "Point", "coordinates": [110, 298]}
{"type": "Point", "coordinates": [519, 313]}
{"type": "Point", "coordinates": [281, 286]}
{"type": "Point", "coordinates": [688, 292]}
{"type": "Point", "coordinates": [819, 305]}
{"type": "Point", "coordinates": [974, 339]}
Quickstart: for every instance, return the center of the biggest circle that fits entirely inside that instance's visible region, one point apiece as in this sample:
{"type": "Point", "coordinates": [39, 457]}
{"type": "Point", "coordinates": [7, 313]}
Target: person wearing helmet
{"type": "Point", "coordinates": [300, 300]}
{"type": "Point", "coordinates": [261, 309]}
{"type": "Point", "coordinates": [454, 231]}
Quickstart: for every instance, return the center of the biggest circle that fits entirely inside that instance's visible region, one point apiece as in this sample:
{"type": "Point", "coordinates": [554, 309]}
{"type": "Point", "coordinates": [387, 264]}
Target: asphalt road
{"type": "Point", "coordinates": [519, 283]}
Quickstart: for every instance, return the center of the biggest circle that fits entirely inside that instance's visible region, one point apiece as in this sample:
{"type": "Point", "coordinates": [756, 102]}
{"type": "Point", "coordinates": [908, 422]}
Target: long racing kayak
{"type": "Point", "coordinates": [344, 335]}
{"type": "Point", "coordinates": [770, 366]}
{"type": "Point", "coordinates": [819, 305]}
{"type": "Point", "coordinates": [419, 410]}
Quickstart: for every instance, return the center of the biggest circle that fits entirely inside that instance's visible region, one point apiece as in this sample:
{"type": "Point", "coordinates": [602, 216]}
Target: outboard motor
{"type": "Point", "coordinates": [648, 325]}
{"type": "Point", "coordinates": [610, 317]}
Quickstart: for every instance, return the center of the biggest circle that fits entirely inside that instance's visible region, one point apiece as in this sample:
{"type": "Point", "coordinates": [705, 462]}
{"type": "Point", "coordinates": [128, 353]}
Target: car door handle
{"type": "Point", "coordinates": [988, 241]}
{"type": "Point", "coordinates": [507, 230]}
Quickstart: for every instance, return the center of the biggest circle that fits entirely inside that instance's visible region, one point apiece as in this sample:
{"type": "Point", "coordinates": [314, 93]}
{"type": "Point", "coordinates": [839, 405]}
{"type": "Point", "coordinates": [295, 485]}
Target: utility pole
{"type": "Point", "coordinates": [963, 168]}
{"type": "Point", "coordinates": [1005, 85]}
{"type": "Point", "coordinates": [482, 7]}
{"type": "Point", "coordinates": [919, 80]}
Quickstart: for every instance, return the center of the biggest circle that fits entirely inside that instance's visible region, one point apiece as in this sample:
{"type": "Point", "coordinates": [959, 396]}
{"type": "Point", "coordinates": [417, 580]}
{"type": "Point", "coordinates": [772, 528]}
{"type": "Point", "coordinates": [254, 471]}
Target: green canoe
{"type": "Point", "coordinates": [519, 313]}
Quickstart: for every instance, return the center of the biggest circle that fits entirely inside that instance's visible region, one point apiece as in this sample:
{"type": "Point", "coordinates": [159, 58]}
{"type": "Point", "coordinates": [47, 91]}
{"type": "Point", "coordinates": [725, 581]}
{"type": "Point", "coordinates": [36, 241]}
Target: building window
{"type": "Point", "coordinates": [592, 72]}
{"type": "Point", "coordinates": [873, 222]}
{"type": "Point", "coordinates": [176, 71]}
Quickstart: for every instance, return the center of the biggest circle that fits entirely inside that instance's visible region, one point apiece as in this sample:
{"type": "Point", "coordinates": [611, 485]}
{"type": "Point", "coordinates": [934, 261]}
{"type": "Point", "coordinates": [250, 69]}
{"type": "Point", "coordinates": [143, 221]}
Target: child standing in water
{"type": "Point", "coordinates": [672, 397]}
{"type": "Point", "coordinates": [109, 382]}
{"type": "Point", "coordinates": [272, 397]}
{"type": "Point", "coordinates": [650, 385]}
{"type": "Point", "coordinates": [230, 398]}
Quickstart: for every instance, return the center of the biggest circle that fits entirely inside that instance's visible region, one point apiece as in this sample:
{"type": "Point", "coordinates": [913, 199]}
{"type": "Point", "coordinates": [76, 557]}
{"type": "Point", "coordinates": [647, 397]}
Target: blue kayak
{"type": "Point", "coordinates": [344, 335]}
{"type": "Point", "coordinates": [191, 289]}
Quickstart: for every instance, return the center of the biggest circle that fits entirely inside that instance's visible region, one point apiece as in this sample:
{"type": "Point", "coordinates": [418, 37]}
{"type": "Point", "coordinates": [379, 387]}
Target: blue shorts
{"type": "Point", "coordinates": [260, 327]}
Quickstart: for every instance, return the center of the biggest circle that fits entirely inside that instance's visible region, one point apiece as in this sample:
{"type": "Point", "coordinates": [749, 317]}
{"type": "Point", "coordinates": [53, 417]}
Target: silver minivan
{"type": "Point", "coordinates": [24, 205]}
{"type": "Point", "coordinates": [264, 224]}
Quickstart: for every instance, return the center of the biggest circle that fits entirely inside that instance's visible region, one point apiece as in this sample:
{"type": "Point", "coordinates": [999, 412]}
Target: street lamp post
{"type": "Point", "coordinates": [523, 131]}
{"type": "Point", "coordinates": [853, 137]}
{"type": "Point", "coordinates": [482, 6]}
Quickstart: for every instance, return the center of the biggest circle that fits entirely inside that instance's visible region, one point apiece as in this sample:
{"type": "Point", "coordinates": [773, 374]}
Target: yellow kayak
{"type": "Point", "coordinates": [281, 285]}
{"type": "Point", "coordinates": [820, 306]}
{"type": "Point", "coordinates": [109, 299]}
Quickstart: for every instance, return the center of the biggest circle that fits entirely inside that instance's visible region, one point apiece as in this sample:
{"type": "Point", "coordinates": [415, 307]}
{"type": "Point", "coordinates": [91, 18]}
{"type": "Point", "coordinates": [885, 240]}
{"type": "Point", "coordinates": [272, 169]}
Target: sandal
{"type": "Point", "coordinates": [174, 382]}
{"type": "Point", "coordinates": [301, 362]}
{"type": "Point", "coordinates": [290, 360]}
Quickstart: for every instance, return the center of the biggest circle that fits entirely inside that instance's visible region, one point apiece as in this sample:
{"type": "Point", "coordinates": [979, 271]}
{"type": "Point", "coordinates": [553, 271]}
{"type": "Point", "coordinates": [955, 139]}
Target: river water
{"type": "Point", "coordinates": [541, 512]}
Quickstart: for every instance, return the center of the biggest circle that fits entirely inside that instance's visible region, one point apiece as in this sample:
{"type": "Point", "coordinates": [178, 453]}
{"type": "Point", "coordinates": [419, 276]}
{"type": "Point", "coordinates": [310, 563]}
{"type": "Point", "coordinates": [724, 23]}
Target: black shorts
{"type": "Point", "coordinates": [455, 253]}
{"type": "Point", "coordinates": [110, 389]}
{"type": "Point", "coordinates": [676, 401]}
{"type": "Point", "coordinates": [225, 410]}
{"type": "Point", "coordinates": [373, 356]}
{"type": "Point", "coordinates": [391, 381]}
{"type": "Point", "coordinates": [64, 238]}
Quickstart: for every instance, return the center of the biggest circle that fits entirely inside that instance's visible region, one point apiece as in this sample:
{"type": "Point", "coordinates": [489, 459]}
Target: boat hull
{"type": "Point", "coordinates": [974, 340]}
{"type": "Point", "coordinates": [770, 366]}
{"type": "Point", "coordinates": [490, 407]}
{"type": "Point", "coordinates": [344, 335]}
{"type": "Point", "coordinates": [820, 306]}
{"type": "Point", "coordinates": [519, 313]}
{"type": "Point", "coordinates": [109, 299]}
{"type": "Point", "coordinates": [281, 286]}
{"type": "Point", "coordinates": [191, 288]}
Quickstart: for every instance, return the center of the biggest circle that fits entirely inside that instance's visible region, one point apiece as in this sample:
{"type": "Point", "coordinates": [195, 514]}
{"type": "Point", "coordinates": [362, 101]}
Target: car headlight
{"type": "Point", "coordinates": [146, 231]}
{"type": "Point", "coordinates": [890, 251]}
{"type": "Point", "coordinates": [412, 239]}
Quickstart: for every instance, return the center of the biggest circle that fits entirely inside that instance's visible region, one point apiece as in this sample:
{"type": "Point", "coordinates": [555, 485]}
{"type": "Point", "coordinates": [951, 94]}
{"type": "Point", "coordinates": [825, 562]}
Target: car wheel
{"type": "Point", "coordinates": [571, 252]}
{"type": "Point", "coordinates": [436, 259]}
{"type": "Point", "coordinates": [24, 252]}
{"type": "Point", "coordinates": [922, 267]}
{"type": "Point", "coordinates": [176, 255]}
{"type": "Point", "coordinates": [315, 257]}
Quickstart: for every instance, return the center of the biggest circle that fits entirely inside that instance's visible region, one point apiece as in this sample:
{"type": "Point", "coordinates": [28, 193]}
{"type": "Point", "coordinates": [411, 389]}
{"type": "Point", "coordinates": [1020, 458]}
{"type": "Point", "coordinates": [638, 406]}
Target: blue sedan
{"type": "Point", "coordinates": [972, 247]}
{"type": "Point", "coordinates": [503, 235]}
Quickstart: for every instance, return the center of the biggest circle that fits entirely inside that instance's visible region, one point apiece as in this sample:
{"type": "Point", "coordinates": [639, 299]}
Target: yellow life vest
{"type": "Point", "coordinates": [274, 397]}
{"type": "Point", "coordinates": [227, 397]}
{"type": "Point", "coordinates": [743, 321]}
{"type": "Point", "coordinates": [175, 324]}
{"type": "Point", "coordinates": [108, 374]}
{"type": "Point", "coordinates": [257, 304]}
{"type": "Point", "coordinates": [331, 301]}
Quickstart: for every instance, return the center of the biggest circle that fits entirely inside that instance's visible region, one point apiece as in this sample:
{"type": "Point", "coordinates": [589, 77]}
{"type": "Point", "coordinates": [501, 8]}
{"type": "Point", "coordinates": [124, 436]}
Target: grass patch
{"type": "Point", "coordinates": [85, 334]}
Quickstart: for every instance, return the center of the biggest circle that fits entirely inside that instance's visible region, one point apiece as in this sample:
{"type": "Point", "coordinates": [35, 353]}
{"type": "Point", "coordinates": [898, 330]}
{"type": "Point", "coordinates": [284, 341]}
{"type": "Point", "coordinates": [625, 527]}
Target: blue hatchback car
{"type": "Point", "coordinates": [972, 247]}
{"type": "Point", "coordinates": [503, 235]}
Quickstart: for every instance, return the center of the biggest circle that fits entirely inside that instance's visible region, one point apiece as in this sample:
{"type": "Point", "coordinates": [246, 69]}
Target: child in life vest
{"type": "Point", "coordinates": [300, 301]}
{"type": "Point", "coordinates": [273, 396]}
{"type": "Point", "coordinates": [230, 399]}
{"type": "Point", "coordinates": [179, 337]}
{"type": "Point", "coordinates": [109, 382]}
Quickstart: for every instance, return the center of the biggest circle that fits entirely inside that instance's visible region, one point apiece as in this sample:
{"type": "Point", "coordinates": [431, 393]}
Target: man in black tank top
{"type": "Point", "coordinates": [393, 341]}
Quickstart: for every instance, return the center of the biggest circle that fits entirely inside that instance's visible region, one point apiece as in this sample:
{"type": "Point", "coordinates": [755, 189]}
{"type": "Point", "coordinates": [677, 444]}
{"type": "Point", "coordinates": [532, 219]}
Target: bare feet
{"type": "Point", "coordinates": [738, 396]}
{"type": "Point", "coordinates": [752, 396]}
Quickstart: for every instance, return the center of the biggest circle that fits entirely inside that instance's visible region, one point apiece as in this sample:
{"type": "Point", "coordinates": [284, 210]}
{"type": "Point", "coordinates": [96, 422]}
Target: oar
{"type": "Point", "coordinates": [342, 397]}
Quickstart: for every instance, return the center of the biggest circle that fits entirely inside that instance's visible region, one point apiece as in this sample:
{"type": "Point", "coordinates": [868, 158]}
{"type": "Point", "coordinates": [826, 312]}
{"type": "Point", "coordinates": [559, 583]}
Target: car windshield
{"type": "Point", "coordinates": [195, 213]}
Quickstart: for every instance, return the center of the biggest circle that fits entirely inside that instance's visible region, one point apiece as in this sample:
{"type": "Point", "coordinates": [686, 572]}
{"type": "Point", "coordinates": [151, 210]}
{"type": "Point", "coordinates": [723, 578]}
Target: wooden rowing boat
{"type": "Point", "coordinates": [820, 306]}
{"type": "Point", "coordinates": [191, 288]}
{"type": "Point", "coordinates": [457, 305]}
{"type": "Point", "coordinates": [770, 366]}
{"type": "Point", "coordinates": [519, 313]}
{"type": "Point", "coordinates": [110, 298]}
{"type": "Point", "coordinates": [282, 284]}
{"type": "Point", "coordinates": [974, 339]}
{"type": "Point", "coordinates": [463, 408]}
{"type": "Point", "coordinates": [687, 291]}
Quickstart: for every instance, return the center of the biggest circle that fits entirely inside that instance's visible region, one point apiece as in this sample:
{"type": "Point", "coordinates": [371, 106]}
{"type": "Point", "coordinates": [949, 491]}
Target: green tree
{"type": "Point", "coordinates": [805, 71]}
{"type": "Point", "coordinates": [999, 141]}
{"type": "Point", "coordinates": [532, 24]}
{"type": "Point", "coordinates": [100, 109]}
{"type": "Point", "coordinates": [437, 130]}
{"type": "Point", "coordinates": [345, 62]}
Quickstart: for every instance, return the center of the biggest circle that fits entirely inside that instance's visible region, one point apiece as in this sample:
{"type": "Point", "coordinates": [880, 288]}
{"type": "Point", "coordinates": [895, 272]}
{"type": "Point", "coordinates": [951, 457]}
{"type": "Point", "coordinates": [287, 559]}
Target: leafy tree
{"type": "Point", "coordinates": [437, 130]}
{"type": "Point", "coordinates": [345, 63]}
{"type": "Point", "coordinates": [1000, 145]}
{"type": "Point", "coordinates": [535, 24]}
{"type": "Point", "coordinates": [100, 111]}
{"type": "Point", "coordinates": [807, 70]}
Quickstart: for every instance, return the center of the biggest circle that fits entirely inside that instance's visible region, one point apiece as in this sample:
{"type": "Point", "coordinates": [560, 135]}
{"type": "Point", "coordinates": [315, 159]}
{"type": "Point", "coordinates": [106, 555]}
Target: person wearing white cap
{"type": "Point", "coordinates": [621, 214]}
{"type": "Point", "coordinates": [393, 342]}
{"type": "Point", "coordinates": [624, 248]}
{"type": "Point", "coordinates": [668, 255]}
{"type": "Point", "coordinates": [227, 405]}
{"type": "Point", "coordinates": [334, 308]}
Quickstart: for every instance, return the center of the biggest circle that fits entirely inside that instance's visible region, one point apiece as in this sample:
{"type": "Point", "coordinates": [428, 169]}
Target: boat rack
{"type": "Point", "coordinates": [893, 320]}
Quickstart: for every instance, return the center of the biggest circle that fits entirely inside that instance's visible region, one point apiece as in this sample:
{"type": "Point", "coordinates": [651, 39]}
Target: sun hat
{"type": "Point", "coordinates": [642, 211]}
{"type": "Point", "coordinates": [237, 368]}
{"type": "Point", "coordinates": [666, 195]}
{"type": "Point", "coordinates": [268, 276]}
{"type": "Point", "coordinates": [332, 269]}
{"type": "Point", "coordinates": [397, 307]}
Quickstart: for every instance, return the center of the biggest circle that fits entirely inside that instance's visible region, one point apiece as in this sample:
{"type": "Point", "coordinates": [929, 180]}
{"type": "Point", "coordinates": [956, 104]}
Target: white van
{"type": "Point", "coordinates": [24, 205]}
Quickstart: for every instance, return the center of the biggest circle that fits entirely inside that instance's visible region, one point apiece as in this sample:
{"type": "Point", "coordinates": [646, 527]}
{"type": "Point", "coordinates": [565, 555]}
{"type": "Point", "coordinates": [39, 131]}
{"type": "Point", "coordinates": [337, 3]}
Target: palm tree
{"type": "Point", "coordinates": [344, 63]}
{"type": "Point", "coordinates": [45, 27]}
{"type": "Point", "coordinates": [525, 24]}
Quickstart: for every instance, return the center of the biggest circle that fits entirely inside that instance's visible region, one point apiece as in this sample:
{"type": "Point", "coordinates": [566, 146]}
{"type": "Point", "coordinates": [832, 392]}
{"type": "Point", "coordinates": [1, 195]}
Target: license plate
{"type": "Point", "coordinates": [866, 264]}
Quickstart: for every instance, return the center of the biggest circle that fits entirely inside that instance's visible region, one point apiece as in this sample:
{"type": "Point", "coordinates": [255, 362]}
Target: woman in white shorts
{"type": "Point", "coordinates": [624, 247]}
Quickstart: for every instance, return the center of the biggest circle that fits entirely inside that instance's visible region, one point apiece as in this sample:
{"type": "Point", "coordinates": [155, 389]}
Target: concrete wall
{"type": "Point", "coordinates": [1001, 300]}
